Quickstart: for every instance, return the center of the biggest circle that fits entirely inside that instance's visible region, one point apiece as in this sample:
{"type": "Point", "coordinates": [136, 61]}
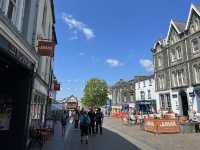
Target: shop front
{"type": "Point", "coordinates": [146, 106]}
{"type": "Point", "coordinates": [16, 78]}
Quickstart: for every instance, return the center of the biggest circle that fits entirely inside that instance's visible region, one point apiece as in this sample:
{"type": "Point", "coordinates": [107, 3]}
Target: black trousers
{"type": "Point", "coordinates": [76, 124]}
{"type": "Point", "coordinates": [91, 128]}
{"type": "Point", "coordinates": [99, 126]}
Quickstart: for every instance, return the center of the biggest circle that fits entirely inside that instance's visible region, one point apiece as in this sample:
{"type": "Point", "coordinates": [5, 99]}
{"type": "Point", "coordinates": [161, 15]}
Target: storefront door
{"type": "Point", "coordinates": [15, 91]}
{"type": "Point", "coordinates": [184, 101]}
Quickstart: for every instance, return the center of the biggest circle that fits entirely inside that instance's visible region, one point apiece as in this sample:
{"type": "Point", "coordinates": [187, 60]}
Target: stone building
{"type": "Point", "coordinates": [25, 73]}
{"type": "Point", "coordinates": [123, 93]}
{"type": "Point", "coordinates": [177, 65]}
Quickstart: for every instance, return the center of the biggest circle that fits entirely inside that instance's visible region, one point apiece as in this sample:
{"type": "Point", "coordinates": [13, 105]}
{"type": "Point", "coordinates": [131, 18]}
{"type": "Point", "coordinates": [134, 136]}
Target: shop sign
{"type": "Point", "coordinates": [19, 56]}
{"type": "Point", "coordinates": [45, 48]}
{"type": "Point", "coordinates": [161, 125]}
{"type": "Point", "coordinates": [56, 87]}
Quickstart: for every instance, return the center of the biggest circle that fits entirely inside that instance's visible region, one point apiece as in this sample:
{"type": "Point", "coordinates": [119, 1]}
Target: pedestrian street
{"type": "Point", "coordinates": [71, 141]}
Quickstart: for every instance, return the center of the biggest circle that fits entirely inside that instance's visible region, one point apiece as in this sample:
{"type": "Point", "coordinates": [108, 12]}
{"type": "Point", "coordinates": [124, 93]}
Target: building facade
{"type": "Point", "coordinates": [26, 75]}
{"type": "Point", "coordinates": [145, 93]}
{"type": "Point", "coordinates": [122, 94]}
{"type": "Point", "coordinates": [18, 61]}
{"type": "Point", "coordinates": [177, 66]}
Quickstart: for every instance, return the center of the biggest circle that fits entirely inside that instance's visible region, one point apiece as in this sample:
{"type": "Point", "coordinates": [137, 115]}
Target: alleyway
{"type": "Point", "coordinates": [71, 141]}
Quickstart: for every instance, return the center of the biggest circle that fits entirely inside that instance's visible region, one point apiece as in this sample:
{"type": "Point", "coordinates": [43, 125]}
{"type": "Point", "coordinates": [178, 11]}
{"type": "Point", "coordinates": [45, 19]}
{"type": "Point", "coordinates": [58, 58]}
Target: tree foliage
{"type": "Point", "coordinates": [95, 93]}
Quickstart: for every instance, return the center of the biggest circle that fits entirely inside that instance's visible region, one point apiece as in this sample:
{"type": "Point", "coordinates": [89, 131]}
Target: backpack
{"type": "Point", "coordinates": [85, 120]}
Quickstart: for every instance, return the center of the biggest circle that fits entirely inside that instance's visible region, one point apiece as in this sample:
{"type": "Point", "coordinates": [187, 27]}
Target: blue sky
{"type": "Point", "coordinates": [109, 39]}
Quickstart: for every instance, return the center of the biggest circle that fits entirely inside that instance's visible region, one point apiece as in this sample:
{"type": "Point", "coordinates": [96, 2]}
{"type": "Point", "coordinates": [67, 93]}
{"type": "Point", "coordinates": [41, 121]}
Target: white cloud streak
{"type": "Point", "coordinates": [78, 26]}
{"type": "Point", "coordinates": [113, 62]}
{"type": "Point", "coordinates": [147, 64]}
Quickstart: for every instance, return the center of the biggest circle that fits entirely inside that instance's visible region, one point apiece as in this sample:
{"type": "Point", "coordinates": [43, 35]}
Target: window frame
{"type": "Point", "coordinates": [192, 45]}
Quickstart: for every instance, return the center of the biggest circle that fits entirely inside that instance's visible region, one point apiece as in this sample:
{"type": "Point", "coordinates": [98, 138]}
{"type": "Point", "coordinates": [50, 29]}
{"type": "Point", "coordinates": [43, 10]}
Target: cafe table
{"type": "Point", "coordinates": [190, 127]}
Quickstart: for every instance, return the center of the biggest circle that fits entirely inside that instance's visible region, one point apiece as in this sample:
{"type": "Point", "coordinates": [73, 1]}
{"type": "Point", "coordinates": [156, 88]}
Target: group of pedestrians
{"type": "Point", "coordinates": [88, 121]}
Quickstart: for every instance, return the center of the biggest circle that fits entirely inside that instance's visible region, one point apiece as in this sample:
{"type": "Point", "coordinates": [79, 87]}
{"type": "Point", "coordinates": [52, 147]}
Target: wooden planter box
{"type": "Point", "coordinates": [161, 125]}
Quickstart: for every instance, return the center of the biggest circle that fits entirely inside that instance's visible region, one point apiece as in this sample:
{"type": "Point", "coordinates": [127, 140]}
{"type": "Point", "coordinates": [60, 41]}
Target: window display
{"type": "Point", "coordinates": [5, 112]}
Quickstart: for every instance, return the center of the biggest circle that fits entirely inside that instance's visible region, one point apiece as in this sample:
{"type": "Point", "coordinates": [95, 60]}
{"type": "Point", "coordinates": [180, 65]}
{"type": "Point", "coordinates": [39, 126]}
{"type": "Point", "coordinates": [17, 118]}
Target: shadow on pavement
{"type": "Point", "coordinates": [108, 141]}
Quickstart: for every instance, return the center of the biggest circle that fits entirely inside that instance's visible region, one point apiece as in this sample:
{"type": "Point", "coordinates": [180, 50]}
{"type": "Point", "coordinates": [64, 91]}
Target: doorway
{"type": "Point", "coordinates": [184, 101]}
{"type": "Point", "coordinates": [16, 84]}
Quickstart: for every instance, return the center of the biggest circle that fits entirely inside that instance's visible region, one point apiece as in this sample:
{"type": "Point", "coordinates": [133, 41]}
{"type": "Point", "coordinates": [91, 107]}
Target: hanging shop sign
{"type": "Point", "coordinates": [45, 48]}
{"type": "Point", "coordinates": [56, 87]}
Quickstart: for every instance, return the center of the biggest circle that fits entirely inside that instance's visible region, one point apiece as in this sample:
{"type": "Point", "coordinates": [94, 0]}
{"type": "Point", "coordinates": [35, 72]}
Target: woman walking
{"type": "Point", "coordinates": [84, 126]}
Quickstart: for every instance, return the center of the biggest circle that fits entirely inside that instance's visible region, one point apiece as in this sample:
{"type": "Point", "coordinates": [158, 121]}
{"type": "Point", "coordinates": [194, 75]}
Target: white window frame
{"type": "Point", "coordinates": [192, 45]}
{"type": "Point", "coordinates": [149, 94]}
{"type": "Point", "coordinates": [173, 55]}
{"type": "Point", "coordinates": [196, 68]}
{"type": "Point", "coordinates": [179, 49]}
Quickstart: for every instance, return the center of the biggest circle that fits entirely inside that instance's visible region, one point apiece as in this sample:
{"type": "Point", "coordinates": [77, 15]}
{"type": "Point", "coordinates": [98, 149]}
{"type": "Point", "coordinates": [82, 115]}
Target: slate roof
{"type": "Point", "coordinates": [180, 25]}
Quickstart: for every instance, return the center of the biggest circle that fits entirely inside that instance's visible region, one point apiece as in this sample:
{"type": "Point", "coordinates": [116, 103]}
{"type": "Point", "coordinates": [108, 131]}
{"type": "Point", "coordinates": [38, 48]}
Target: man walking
{"type": "Point", "coordinates": [76, 118]}
{"type": "Point", "coordinates": [64, 122]}
{"type": "Point", "coordinates": [92, 115]}
{"type": "Point", "coordinates": [99, 120]}
{"type": "Point", "coordinates": [84, 125]}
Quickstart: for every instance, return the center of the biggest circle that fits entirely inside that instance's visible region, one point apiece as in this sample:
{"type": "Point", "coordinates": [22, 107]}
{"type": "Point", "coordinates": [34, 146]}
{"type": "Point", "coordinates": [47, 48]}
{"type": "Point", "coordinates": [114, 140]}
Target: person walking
{"type": "Point", "coordinates": [76, 118]}
{"type": "Point", "coordinates": [84, 125]}
{"type": "Point", "coordinates": [92, 115]}
{"type": "Point", "coordinates": [64, 122]}
{"type": "Point", "coordinates": [99, 120]}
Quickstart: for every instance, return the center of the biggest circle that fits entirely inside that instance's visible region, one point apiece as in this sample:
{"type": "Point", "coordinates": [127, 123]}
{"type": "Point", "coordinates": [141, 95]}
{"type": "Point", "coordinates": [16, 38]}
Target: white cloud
{"type": "Point", "coordinates": [147, 64]}
{"type": "Point", "coordinates": [78, 26]}
{"type": "Point", "coordinates": [89, 34]}
{"type": "Point", "coordinates": [114, 62]}
{"type": "Point", "coordinates": [81, 54]}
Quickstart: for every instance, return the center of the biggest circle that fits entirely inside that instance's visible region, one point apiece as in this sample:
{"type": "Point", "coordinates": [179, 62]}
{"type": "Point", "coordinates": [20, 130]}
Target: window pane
{"type": "Point", "coordinates": [195, 45]}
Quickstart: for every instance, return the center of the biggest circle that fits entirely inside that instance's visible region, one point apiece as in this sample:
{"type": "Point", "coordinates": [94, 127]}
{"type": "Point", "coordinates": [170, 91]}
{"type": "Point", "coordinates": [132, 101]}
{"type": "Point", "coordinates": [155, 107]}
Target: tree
{"type": "Point", "coordinates": [95, 93]}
